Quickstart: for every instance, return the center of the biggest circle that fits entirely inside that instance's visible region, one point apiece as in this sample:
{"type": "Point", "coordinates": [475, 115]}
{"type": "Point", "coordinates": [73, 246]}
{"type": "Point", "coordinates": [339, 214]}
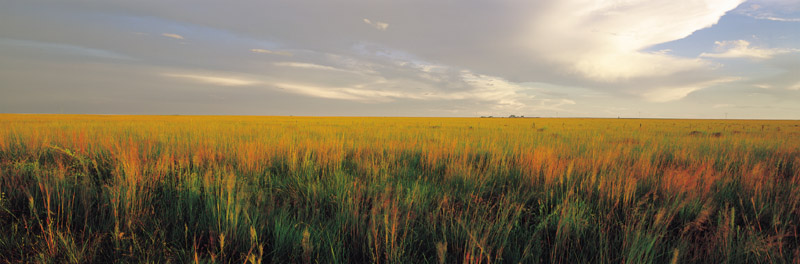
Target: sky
{"type": "Point", "coordinates": [564, 58]}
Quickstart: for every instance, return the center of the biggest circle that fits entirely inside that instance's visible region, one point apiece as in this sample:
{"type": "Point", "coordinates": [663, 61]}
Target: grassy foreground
{"type": "Point", "coordinates": [397, 190]}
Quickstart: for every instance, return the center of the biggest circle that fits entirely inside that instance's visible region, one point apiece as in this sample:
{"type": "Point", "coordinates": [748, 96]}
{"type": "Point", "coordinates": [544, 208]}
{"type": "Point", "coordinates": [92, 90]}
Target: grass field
{"type": "Point", "coordinates": [79, 188]}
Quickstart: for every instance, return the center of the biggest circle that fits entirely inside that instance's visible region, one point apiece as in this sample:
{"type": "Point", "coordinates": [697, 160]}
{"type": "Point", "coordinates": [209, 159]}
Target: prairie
{"type": "Point", "coordinates": [240, 189]}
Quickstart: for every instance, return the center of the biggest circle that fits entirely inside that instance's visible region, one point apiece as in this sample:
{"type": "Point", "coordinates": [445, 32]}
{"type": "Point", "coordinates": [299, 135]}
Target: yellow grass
{"type": "Point", "coordinates": [614, 164]}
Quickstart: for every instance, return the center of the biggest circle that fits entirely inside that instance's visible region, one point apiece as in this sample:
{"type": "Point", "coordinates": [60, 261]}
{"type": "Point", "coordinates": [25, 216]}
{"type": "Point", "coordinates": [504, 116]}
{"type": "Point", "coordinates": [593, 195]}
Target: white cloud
{"type": "Point", "coordinates": [616, 67]}
{"type": "Point", "coordinates": [666, 94]}
{"type": "Point", "coordinates": [556, 103]}
{"type": "Point", "coordinates": [773, 10]}
{"type": "Point", "coordinates": [603, 40]}
{"type": "Point", "coordinates": [304, 65]}
{"type": "Point", "coordinates": [375, 80]}
{"type": "Point", "coordinates": [377, 24]}
{"type": "Point", "coordinates": [350, 83]}
{"type": "Point", "coordinates": [172, 35]}
{"type": "Point", "coordinates": [355, 93]}
{"type": "Point", "coordinates": [743, 49]}
{"type": "Point", "coordinates": [499, 92]}
{"type": "Point", "coordinates": [664, 51]}
{"type": "Point", "coordinates": [215, 80]}
{"type": "Point", "coordinates": [317, 91]}
{"type": "Point", "coordinates": [795, 87]}
{"type": "Point", "coordinates": [273, 52]}
{"type": "Point", "coordinates": [484, 87]}
{"type": "Point", "coordinates": [782, 19]}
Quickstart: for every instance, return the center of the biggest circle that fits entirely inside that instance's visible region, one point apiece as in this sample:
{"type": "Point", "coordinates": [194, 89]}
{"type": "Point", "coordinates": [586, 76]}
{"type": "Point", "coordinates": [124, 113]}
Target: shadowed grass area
{"type": "Point", "coordinates": [397, 190]}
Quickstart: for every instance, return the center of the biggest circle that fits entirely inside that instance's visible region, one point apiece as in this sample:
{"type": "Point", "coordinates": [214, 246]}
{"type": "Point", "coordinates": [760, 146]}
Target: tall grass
{"type": "Point", "coordinates": [79, 188]}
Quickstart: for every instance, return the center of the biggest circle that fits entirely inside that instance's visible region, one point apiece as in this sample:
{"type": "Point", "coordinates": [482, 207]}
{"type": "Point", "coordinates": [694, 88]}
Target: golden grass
{"type": "Point", "coordinates": [386, 176]}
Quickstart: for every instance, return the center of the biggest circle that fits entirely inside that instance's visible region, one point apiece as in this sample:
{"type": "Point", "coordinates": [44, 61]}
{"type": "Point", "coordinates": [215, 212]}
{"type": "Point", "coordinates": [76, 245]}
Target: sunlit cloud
{"type": "Point", "coordinates": [423, 83]}
{"type": "Point", "coordinates": [318, 91]}
{"type": "Point", "coordinates": [484, 87]}
{"type": "Point", "coordinates": [304, 65]}
{"type": "Point", "coordinates": [555, 104]}
{"type": "Point", "coordinates": [355, 93]}
{"type": "Point", "coordinates": [723, 106]}
{"type": "Point", "coordinates": [172, 35]}
{"type": "Point", "coordinates": [214, 80]}
{"type": "Point", "coordinates": [377, 24]}
{"type": "Point", "coordinates": [782, 19]}
{"type": "Point", "coordinates": [64, 49]}
{"type": "Point", "coordinates": [666, 94]}
{"type": "Point", "coordinates": [743, 49]}
{"type": "Point", "coordinates": [771, 10]}
{"type": "Point", "coordinates": [617, 67]}
{"type": "Point", "coordinates": [595, 40]}
{"type": "Point", "coordinates": [265, 51]}
{"type": "Point", "coordinates": [795, 87]}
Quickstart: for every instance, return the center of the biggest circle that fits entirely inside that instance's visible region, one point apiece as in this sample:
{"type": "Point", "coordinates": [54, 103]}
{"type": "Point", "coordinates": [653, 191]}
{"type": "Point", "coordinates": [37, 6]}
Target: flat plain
{"type": "Point", "coordinates": [242, 189]}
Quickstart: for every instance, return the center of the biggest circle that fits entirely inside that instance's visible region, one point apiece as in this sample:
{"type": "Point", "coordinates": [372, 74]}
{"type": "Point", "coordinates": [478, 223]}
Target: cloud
{"type": "Point", "coordinates": [265, 51]}
{"type": "Point", "coordinates": [666, 94]}
{"type": "Point", "coordinates": [372, 86]}
{"type": "Point", "coordinates": [795, 87]}
{"type": "Point", "coordinates": [582, 43]}
{"type": "Point", "coordinates": [355, 93]}
{"type": "Point", "coordinates": [773, 10]}
{"type": "Point", "coordinates": [470, 55]}
{"type": "Point", "coordinates": [377, 24]}
{"type": "Point", "coordinates": [62, 48]}
{"type": "Point", "coordinates": [782, 19]}
{"type": "Point", "coordinates": [172, 35]}
{"type": "Point", "coordinates": [317, 91]}
{"type": "Point", "coordinates": [484, 87]}
{"type": "Point", "coordinates": [603, 40]}
{"type": "Point", "coordinates": [304, 65]}
{"type": "Point", "coordinates": [742, 49]}
{"type": "Point", "coordinates": [601, 45]}
{"type": "Point", "coordinates": [780, 82]}
{"type": "Point", "coordinates": [355, 80]}
{"type": "Point", "coordinates": [214, 80]}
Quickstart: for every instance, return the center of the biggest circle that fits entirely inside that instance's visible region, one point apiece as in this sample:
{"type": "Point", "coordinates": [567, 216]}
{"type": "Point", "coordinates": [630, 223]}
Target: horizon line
{"type": "Point", "coordinates": [385, 116]}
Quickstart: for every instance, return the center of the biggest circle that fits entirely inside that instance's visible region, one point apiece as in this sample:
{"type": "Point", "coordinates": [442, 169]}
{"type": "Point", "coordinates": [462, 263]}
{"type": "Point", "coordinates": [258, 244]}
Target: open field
{"type": "Point", "coordinates": [81, 188]}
